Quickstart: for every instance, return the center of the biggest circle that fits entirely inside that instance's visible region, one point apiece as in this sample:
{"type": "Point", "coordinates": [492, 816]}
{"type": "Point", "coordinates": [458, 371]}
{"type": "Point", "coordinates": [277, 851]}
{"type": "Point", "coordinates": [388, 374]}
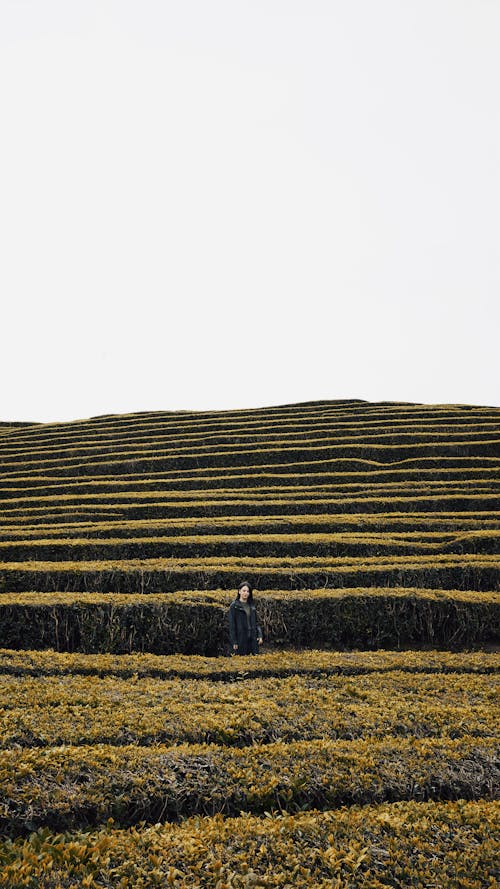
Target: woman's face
{"type": "Point", "coordinates": [244, 593]}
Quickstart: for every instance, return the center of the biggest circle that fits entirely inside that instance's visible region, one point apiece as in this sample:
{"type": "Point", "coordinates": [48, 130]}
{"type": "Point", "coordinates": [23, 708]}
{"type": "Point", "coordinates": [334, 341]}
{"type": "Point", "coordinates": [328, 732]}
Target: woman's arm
{"type": "Point", "coordinates": [233, 638]}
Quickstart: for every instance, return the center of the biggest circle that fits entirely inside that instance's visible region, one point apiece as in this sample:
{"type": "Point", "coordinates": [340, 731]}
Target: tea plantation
{"type": "Point", "coordinates": [358, 749]}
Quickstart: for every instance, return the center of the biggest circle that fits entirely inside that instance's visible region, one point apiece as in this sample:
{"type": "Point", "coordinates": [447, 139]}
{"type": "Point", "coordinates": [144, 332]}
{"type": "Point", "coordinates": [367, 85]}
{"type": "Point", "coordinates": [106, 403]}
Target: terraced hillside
{"type": "Point", "coordinates": [360, 748]}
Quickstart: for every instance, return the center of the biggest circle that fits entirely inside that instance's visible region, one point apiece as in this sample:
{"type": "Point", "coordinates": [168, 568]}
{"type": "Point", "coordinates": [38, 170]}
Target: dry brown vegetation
{"type": "Point", "coordinates": [358, 749]}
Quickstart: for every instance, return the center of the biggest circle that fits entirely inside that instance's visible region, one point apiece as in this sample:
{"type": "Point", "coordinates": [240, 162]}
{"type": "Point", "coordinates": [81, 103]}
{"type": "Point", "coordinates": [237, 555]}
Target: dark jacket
{"type": "Point", "coordinates": [238, 628]}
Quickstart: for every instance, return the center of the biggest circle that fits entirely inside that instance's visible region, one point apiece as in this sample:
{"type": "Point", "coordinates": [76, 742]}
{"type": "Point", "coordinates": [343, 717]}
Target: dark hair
{"type": "Point", "coordinates": [249, 585]}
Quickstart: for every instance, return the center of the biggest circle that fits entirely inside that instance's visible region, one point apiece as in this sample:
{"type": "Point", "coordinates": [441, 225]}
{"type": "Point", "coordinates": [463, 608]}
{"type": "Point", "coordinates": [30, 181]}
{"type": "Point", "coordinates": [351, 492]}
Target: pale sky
{"type": "Point", "coordinates": [218, 205]}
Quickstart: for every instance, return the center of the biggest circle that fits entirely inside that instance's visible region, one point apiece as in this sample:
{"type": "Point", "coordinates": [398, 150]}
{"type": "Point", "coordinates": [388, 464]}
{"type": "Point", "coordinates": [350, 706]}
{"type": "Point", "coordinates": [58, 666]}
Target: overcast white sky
{"type": "Point", "coordinates": [210, 205]}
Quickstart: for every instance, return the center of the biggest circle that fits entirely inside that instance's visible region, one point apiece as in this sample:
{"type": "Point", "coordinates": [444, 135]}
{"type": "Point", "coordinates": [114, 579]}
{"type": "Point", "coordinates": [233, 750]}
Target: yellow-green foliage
{"type": "Point", "coordinates": [339, 413]}
{"type": "Point", "coordinates": [196, 621]}
{"type": "Point", "coordinates": [429, 542]}
{"type": "Point", "coordinates": [89, 710]}
{"type": "Point", "coordinates": [267, 434]}
{"type": "Point", "coordinates": [304, 564]}
{"type": "Point", "coordinates": [177, 448]}
{"type": "Point", "coordinates": [222, 598]}
{"type": "Point", "coordinates": [405, 475]}
{"type": "Point", "coordinates": [455, 522]}
{"type": "Point", "coordinates": [280, 662]}
{"type": "Point", "coordinates": [240, 498]}
{"type": "Point", "coordinates": [360, 525]}
{"type": "Point", "coordinates": [66, 787]}
{"type": "Point", "coordinates": [451, 845]}
{"type": "Point", "coordinates": [384, 490]}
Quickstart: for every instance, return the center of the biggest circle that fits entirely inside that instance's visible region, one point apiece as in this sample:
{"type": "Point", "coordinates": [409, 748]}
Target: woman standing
{"type": "Point", "coordinates": [244, 632]}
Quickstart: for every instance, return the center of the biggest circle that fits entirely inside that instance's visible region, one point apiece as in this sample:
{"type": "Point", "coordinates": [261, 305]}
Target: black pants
{"type": "Point", "coordinates": [246, 647]}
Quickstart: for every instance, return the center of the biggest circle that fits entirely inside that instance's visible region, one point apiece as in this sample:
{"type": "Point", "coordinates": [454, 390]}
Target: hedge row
{"type": "Point", "coordinates": [281, 662]}
{"type": "Point", "coordinates": [257, 456]}
{"type": "Point", "coordinates": [414, 467]}
{"type": "Point", "coordinates": [245, 545]}
{"type": "Point", "coordinates": [68, 787]}
{"type": "Point", "coordinates": [76, 435]}
{"type": "Point", "coordinates": [453, 845]}
{"type": "Point", "coordinates": [267, 435]}
{"type": "Point", "coordinates": [196, 623]}
{"type": "Point", "coordinates": [297, 496]}
{"type": "Point", "coordinates": [259, 507]}
{"type": "Point", "coordinates": [248, 477]}
{"type": "Point", "coordinates": [90, 512]}
{"type": "Point", "coordinates": [114, 492]}
{"type": "Point", "coordinates": [406, 479]}
{"type": "Point", "coordinates": [306, 412]}
{"type": "Point", "coordinates": [53, 710]}
{"type": "Point", "coordinates": [79, 493]}
{"type": "Point", "coordinates": [405, 524]}
{"type": "Point", "coordinates": [141, 424]}
{"type": "Point", "coordinates": [219, 443]}
{"type": "Point", "coordinates": [468, 571]}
